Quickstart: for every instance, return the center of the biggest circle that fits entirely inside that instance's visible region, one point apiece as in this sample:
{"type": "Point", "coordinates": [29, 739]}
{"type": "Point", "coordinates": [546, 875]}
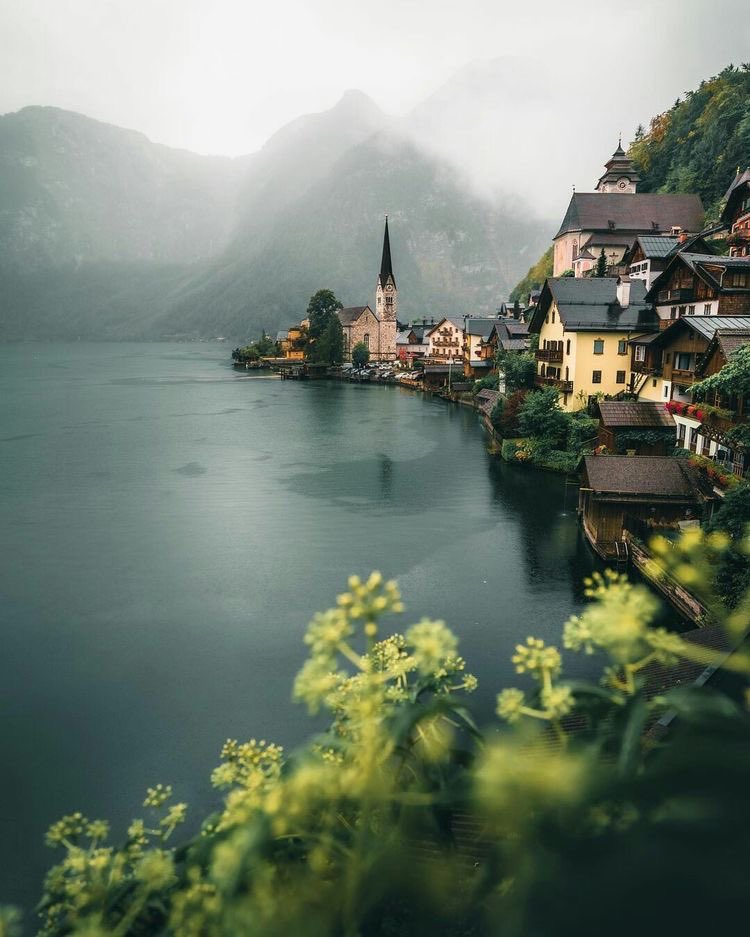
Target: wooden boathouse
{"type": "Point", "coordinates": [648, 492]}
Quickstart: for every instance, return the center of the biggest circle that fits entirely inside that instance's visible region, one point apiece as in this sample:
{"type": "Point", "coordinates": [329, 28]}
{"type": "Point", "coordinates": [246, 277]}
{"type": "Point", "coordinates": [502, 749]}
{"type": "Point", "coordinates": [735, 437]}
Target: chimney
{"type": "Point", "coordinates": [683, 236]}
{"type": "Point", "coordinates": [623, 292]}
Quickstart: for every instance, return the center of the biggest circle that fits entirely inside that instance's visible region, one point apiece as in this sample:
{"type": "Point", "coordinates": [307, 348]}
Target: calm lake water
{"type": "Point", "coordinates": [169, 525]}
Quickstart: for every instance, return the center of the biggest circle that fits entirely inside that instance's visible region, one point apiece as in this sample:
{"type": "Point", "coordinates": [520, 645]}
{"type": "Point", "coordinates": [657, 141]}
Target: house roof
{"type": "Point", "coordinates": [703, 266]}
{"type": "Point", "coordinates": [454, 320]}
{"type": "Point", "coordinates": [351, 314]}
{"type": "Point", "coordinates": [592, 211]}
{"type": "Point", "coordinates": [728, 340]}
{"type": "Point", "coordinates": [481, 327]}
{"type": "Point", "coordinates": [740, 181]}
{"type": "Point", "coordinates": [658, 476]}
{"type": "Point", "coordinates": [705, 326]}
{"type": "Point", "coordinates": [646, 413]}
{"type": "Point", "coordinates": [282, 335]}
{"type": "Point", "coordinates": [657, 246]}
{"type": "Point", "coordinates": [590, 304]}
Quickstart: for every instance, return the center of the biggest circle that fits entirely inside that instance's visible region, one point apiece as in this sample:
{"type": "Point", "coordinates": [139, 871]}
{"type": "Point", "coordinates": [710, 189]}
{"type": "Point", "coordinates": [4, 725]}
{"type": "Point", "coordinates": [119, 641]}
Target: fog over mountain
{"type": "Point", "coordinates": [104, 234]}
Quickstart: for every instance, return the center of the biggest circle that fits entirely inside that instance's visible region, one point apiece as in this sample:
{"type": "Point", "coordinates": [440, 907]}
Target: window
{"type": "Point", "coordinates": [366, 339]}
{"type": "Point", "coordinates": [622, 347]}
{"type": "Point", "coordinates": [598, 346]}
{"type": "Point", "coordinates": [707, 309]}
{"type": "Point", "coordinates": [673, 312]}
{"type": "Point", "coordinates": [682, 311]}
{"type": "Point", "coordinates": [640, 352]}
{"type": "Point", "coordinates": [620, 378]}
{"type": "Point", "coordinates": [682, 360]}
{"type": "Point", "coordinates": [681, 435]}
{"type": "Point", "coordinates": [654, 382]}
{"type": "Point", "coordinates": [553, 316]}
{"type": "Point", "coordinates": [667, 357]}
{"type": "Point", "coordinates": [691, 310]}
{"type": "Point", "coordinates": [567, 347]}
{"type": "Point", "coordinates": [596, 377]}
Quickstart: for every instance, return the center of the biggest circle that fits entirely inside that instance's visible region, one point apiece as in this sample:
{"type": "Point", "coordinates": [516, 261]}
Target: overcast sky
{"type": "Point", "coordinates": [219, 76]}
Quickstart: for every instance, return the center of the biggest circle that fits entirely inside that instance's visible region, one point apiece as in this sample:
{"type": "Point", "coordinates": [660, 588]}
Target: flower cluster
{"type": "Point", "coordinates": [544, 664]}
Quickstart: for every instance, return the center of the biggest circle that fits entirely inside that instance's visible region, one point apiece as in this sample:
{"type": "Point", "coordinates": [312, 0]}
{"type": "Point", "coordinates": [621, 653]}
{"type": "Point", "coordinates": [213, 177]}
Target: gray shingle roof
{"type": "Point", "coordinates": [730, 341]}
{"type": "Point", "coordinates": [707, 325]}
{"type": "Point", "coordinates": [592, 211]}
{"type": "Point", "coordinates": [351, 314]}
{"type": "Point", "coordinates": [656, 246]}
{"type": "Point", "coordinates": [481, 327]}
{"type": "Point", "coordinates": [659, 476]}
{"type": "Point", "coordinates": [645, 413]}
{"type": "Point", "coordinates": [590, 303]}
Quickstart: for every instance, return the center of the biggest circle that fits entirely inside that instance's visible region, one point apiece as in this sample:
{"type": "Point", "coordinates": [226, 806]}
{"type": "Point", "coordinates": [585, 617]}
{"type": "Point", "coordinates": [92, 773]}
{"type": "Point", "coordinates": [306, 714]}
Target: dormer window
{"type": "Point", "coordinates": [611, 225]}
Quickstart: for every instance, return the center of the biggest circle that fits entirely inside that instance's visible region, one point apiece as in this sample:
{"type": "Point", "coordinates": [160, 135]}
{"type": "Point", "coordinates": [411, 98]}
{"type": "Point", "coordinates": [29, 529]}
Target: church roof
{"type": "Point", "coordinates": [634, 213]}
{"type": "Point", "coordinates": [351, 314]}
{"type": "Point", "coordinates": [386, 266]}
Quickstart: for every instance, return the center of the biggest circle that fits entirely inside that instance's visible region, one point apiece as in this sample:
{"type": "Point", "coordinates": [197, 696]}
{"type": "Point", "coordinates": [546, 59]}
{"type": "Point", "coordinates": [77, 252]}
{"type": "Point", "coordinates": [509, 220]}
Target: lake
{"type": "Point", "coordinates": [169, 526]}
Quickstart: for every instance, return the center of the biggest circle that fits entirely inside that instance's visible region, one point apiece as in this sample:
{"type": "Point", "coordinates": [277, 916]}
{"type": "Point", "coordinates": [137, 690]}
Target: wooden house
{"type": "Point", "coordinates": [644, 492]}
{"type": "Point", "coordinates": [736, 215]}
{"type": "Point", "coordinates": [695, 284]}
{"type": "Point", "coordinates": [636, 427]}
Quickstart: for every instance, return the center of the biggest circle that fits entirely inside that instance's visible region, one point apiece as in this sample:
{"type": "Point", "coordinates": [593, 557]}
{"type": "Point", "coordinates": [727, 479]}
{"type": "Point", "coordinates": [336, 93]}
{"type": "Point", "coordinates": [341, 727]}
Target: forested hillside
{"type": "Point", "coordinates": [697, 145]}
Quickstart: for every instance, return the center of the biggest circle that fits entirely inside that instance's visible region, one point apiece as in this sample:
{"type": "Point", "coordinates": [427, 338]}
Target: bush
{"type": "Point", "coordinates": [485, 383]}
{"type": "Point", "coordinates": [581, 429]}
{"type": "Point", "coordinates": [509, 415]}
{"type": "Point", "coordinates": [541, 417]}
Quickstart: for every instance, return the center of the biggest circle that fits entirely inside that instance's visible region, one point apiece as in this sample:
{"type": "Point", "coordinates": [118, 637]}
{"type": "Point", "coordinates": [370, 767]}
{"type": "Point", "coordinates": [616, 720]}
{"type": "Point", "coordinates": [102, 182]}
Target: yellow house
{"type": "Point", "coordinates": [293, 346]}
{"type": "Point", "coordinates": [584, 326]}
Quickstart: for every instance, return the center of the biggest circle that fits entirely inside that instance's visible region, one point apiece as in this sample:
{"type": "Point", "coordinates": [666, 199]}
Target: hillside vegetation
{"type": "Point", "coordinates": [697, 145]}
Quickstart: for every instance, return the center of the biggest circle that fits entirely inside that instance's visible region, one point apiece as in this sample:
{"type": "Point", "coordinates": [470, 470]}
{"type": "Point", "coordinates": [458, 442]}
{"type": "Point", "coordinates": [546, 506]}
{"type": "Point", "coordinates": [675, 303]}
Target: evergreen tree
{"type": "Point", "coordinates": [601, 265]}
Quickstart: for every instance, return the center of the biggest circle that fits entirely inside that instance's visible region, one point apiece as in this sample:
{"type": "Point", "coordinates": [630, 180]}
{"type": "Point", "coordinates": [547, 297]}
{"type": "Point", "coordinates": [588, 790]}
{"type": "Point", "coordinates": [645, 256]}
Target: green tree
{"type": "Point", "coordinates": [731, 380]}
{"type": "Point", "coordinates": [540, 417]}
{"type": "Point", "coordinates": [600, 270]}
{"type": "Point", "coordinates": [519, 369]}
{"type": "Point", "coordinates": [321, 310]}
{"type": "Point", "coordinates": [360, 355]}
{"type": "Point", "coordinates": [329, 348]}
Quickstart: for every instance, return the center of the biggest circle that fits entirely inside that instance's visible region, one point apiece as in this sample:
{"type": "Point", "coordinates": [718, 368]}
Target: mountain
{"type": "Point", "coordinates": [107, 235]}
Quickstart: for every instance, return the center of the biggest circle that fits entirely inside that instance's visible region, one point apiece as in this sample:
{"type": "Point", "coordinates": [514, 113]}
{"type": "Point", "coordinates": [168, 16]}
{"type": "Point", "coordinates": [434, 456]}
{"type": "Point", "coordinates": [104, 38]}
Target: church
{"type": "Point", "coordinates": [612, 216]}
{"type": "Point", "coordinates": [375, 328]}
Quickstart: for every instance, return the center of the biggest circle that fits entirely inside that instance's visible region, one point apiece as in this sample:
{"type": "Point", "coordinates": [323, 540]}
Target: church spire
{"type": "Point", "coordinates": [386, 267]}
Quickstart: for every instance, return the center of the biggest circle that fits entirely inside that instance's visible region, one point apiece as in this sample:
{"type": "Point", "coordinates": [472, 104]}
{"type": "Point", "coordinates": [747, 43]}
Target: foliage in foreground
{"type": "Point", "coordinates": [357, 833]}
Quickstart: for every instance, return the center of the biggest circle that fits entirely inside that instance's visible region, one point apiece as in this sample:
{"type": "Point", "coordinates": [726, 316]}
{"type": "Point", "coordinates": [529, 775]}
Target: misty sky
{"type": "Point", "coordinates": [221, 76]}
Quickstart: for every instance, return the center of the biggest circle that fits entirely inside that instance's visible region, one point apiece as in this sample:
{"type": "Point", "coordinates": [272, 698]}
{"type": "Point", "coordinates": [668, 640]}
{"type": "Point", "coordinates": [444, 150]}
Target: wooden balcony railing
{"type": "Point", "coordinates": [683, 377]}
{"type": "Point", "coordinates": [565, 387]}
{"type": "Point", "coordinates": [549, 354]}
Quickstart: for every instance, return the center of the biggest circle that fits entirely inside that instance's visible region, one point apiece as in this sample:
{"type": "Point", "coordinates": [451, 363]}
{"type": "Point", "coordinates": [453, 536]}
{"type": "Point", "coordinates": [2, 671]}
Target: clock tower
{"type": "Point", "coordinates": [386, 301]}
{"type": "Point", "coordinates": [621, 175]}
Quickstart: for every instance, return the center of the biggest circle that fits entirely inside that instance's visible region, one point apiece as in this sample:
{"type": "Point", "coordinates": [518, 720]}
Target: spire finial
{"type": "Point", "coordinates": [619, 140]}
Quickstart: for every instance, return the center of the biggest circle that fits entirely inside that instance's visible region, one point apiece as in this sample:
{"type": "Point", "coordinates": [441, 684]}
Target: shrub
{"type": "Point", "coordinates": [509, 416]}
{"type": "Point", "coordinates": [541, 417]}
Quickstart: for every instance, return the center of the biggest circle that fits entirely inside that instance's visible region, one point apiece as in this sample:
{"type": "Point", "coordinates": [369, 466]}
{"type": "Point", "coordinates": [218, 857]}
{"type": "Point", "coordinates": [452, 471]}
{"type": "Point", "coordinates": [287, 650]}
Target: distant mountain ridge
{"type": "Point", "coordinates": [104, 234]}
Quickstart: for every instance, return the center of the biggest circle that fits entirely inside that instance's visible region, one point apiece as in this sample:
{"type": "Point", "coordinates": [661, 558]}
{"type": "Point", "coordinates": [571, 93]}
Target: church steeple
{"type": "Point", "coordinates": [386, 300]}
{"type": "Point", "coordinates": [386, 266]}
{"type": "Point", "coordinates": [621, 174]}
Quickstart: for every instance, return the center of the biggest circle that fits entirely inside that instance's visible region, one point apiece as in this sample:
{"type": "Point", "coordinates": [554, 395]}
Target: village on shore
{"type": "Point", "coordinates": [637, 339]}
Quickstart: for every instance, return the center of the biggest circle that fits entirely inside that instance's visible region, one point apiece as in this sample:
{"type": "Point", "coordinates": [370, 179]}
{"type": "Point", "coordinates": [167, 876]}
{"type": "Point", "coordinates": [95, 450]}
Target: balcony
{"type": "Point", "coordinates": [644, 367]}
{"type": "Point", "coordinates": [565, 387]}
{"type": "Point", "coordinates": [682, 377]}
{"type": "Point", "coordinates": [549, 354]}
{"type": "Point", "coordinates": [683, 295]}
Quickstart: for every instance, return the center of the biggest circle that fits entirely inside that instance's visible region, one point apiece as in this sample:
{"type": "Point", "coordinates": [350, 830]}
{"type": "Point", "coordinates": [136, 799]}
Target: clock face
{"type": "Point", "coordinates": [389, 288]}
{"type": "Point", "coordinates": [622, 183]}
